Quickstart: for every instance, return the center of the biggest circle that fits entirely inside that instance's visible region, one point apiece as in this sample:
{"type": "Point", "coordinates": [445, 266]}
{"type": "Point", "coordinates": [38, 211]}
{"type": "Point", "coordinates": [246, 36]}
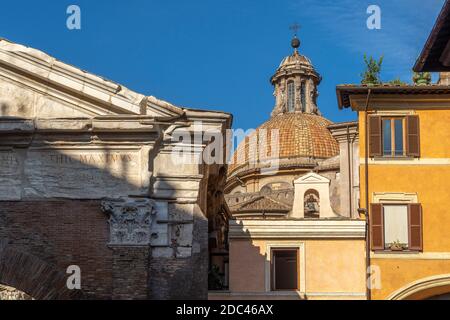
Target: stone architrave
{"type": "Point", "coordinates": [130, 221]}
{"type": "Point", "coordinates": [321, 185]}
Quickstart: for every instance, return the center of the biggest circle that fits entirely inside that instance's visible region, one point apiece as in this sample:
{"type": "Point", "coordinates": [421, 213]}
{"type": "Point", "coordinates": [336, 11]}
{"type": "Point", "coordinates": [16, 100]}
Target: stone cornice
{"type": "Point", "coordinates": [344, 131]}
{"type": "Point", "coordinates": [120, 124]}
{"type": "Point", "coordinates": [304, 229]}
{"type": "Point", "coordinates": [93, 94]}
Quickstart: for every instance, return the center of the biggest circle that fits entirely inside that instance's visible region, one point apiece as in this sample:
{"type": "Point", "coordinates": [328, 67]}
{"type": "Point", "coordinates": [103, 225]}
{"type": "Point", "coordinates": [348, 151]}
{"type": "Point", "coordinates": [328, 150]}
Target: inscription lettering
{"type": "Point", "coordinates": [8, 159]}
{"type": "Point", "coordinates": [90, 159]}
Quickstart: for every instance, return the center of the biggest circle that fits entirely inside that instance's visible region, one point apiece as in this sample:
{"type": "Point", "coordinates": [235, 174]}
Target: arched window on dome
{"type": "Point", "coordinates": [291, 96]}
{"type": "Point", "coordinates": [303, 96]}
{"type": "Point", "coordinates": [312, 204]}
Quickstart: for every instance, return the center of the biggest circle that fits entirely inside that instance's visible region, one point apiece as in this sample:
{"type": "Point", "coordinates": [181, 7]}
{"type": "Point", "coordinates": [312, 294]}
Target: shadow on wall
{"type": "Point", "coordinates": [255, 274]}
{"type": "Point", "coordinates": [51, 218]}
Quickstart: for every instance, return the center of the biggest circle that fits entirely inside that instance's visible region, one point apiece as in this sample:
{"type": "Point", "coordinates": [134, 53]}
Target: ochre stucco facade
{"type": "Point", "coordinates": [414, 275]}
{"type": "Point", "coordinates": [332, 269]}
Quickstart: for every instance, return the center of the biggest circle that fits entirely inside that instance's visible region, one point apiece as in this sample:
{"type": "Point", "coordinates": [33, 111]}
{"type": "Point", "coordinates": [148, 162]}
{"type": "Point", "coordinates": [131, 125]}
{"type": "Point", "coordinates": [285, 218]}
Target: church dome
{"type": "Point", "coordinates": [303, 136]}
{"type": "Point", "coordinates": [303, 139]}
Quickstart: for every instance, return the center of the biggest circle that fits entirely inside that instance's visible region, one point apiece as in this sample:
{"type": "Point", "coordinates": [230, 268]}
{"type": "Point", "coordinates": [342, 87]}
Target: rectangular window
{"type": "Point", "coordinates": [387, 137]}
{"type": "Point", "coordinates": [399, 136]}
{"type": "Point", "coordinates": [393, 137]}
{"type": "Point", "coordinates": [291, 96]}
{"type": "Point", "coordinates": [303, 97]}
{"type": "Point", "coordinates": [285, 269]}
{"type": "Point", "coordinates": [396, 227]}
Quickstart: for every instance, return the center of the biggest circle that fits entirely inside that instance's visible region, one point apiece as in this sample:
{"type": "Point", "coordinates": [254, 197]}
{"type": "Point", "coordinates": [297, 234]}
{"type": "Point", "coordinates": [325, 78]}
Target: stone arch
{"type": "Point", "coordinates": [423, 289]}
{"type": "Point", "coordinates": [33, 276]}
{"type": "Point", "coordinates": [311, 200]}
{"type": "Point", "coordinates": [321, 185]}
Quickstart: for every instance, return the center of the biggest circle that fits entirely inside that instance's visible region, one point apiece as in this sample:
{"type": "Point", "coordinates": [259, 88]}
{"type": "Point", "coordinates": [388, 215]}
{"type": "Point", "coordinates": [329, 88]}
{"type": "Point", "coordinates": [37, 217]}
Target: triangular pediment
{"type": "Point", "coordinates": [260, 204]}
{"type": "Point", "coordinates": [311, 178]}
{"type": "Point", "coordinates": [35, 85]}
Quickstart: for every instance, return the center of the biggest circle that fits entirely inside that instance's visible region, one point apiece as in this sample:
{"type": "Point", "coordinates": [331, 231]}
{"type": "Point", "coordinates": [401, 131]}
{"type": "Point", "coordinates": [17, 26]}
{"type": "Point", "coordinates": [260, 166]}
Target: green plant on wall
{"type": "Point", "coordinates": [422, 78]}
{"type": "Point", "coordinates": [397, 82]}
{"type": "Point", "coordinates": [371, 75]}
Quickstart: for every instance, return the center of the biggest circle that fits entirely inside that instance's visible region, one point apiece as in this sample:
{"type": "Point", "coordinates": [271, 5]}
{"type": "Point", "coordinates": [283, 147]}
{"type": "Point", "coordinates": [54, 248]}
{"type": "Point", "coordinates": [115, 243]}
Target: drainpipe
{"type": "Point", "coordinates": [349, 172]}
{"type": "Point", "coordinates": [366, 182]}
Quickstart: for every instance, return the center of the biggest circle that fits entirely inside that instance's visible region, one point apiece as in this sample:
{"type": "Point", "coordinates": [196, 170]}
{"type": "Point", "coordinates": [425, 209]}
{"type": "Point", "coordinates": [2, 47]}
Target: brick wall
{"type": "Point", "coordinates": [60, 233]}
{"type": "Point", "coordinates": [63, 233]}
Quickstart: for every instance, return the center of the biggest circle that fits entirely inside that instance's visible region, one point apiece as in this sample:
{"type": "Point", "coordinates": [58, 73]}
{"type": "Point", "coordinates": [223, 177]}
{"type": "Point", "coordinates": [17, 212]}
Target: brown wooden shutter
{"type": "Point", "coordinates": [415, 226]}
{"type": "Point", "coordinates": [377, 226]}
{"type": "Point", "coordinates": [412, 136]}
{"type": "Point", "coordinates": [375, 145]}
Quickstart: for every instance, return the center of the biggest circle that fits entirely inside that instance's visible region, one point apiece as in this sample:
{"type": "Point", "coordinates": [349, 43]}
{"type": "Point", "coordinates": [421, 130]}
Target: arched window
{"type": "Point", "coordinates": [291, 96]}
{"type": "Point", "coordinates": [303, 97]}
{"type": "Point", "coordinates": [312, 204]}
{"type": "Point", "coordinates": [276, 186]}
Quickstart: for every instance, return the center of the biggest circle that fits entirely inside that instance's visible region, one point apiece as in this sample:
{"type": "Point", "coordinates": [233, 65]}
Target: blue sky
{"type": "Point", "coordinates": [211, 54]}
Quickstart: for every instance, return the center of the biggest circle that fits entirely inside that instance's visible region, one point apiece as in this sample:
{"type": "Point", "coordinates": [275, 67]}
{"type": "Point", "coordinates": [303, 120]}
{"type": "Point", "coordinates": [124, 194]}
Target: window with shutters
{"type": "Point", "coordinates": [396, 227]}
{"type": "Point", "coordinates": [394, 136]}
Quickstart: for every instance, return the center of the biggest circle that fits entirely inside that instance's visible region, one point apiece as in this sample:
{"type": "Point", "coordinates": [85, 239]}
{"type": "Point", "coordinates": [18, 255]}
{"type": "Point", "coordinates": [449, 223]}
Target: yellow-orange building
{"type": "Point", "coordinates": [296, 233]}
{"type": "Point", "coordinates": [405, 176]}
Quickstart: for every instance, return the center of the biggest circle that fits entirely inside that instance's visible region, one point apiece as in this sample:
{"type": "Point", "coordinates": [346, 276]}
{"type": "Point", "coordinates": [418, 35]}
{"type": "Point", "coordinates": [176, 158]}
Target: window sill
{"type": "Point", "coordinates": [380, 252]}
{"type": "Point", "coordinates": [407, 255]}
{"type": "Point", "coordinates": [393, 158]}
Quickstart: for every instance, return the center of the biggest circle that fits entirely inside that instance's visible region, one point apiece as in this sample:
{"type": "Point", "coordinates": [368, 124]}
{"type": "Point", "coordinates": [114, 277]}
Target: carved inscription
{"type": "Point", "coordinates": [82, 174]}
{"type": "Point", "coordinates": [90, 159]}
{"type": "Point", "coordinates": [9, 163]}
{"type": "Point", "coordinates": [10, 176]}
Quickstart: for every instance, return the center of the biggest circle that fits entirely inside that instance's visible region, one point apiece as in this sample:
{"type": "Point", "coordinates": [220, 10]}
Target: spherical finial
{"type": "Point", "coordinates": [295, 43]}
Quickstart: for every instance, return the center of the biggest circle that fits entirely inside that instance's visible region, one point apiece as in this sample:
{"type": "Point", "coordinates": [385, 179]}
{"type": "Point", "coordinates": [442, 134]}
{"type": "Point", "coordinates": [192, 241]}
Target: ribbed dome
{"type": "Point", "coordinates": [294, 59]}
{"type": "Point", "coordinates": [302, 137]}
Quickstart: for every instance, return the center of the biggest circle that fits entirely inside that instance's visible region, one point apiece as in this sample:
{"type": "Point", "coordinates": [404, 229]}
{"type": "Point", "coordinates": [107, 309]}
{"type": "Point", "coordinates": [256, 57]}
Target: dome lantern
{"type": "Point", "coordinates": [295, 83]}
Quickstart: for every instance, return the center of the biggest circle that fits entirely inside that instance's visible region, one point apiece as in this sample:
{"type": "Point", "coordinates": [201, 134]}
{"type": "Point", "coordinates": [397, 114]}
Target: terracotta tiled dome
{"type": "Point", "coordinates": [302, 137]}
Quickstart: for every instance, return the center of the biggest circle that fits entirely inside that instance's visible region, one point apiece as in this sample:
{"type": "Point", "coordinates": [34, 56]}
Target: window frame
{"type": "Point", "coordinates": [273, 271]}
{"type": "Point", "coordinates": [303, 96]}
{"type": "Point", "coordinates": [290, 96]}
{"type": "Point", "coordinates": [393, 136]}
{"type": "Point", "coordinates": [388, 250]}
{"type": "Point", "coordinates": [411, 136]}
{"type": "Point", "coordinates": [407, 224]}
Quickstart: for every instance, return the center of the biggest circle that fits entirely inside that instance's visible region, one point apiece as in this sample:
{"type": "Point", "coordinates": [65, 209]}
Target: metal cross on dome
{"type": "Point", "coordinates": [295, 27]}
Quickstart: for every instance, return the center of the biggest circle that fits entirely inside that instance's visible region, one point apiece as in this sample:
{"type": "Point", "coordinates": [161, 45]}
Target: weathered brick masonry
{"type": "Point", "coordinates": [88, 178]}
{"type": "Point", "coordinates": [62, 233]}
{"type": "Point", "coordinates": [58, 234]}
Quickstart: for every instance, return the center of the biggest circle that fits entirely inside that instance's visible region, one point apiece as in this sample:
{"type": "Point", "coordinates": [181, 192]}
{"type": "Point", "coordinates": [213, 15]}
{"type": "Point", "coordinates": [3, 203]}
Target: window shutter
{"type": "Point", "coordinates": [415, 226]}
{"type": "Point", "coordinates": [375, 145]}
{"type": "Point", "coordinates": [377, 226]}
{"type": "Point", "coordinates": [412, 136]}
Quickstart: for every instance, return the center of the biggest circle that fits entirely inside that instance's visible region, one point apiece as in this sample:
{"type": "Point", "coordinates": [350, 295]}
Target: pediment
{"type": "Point", "coordinates": [36, 85]}
{"type": "Point", "coordinates": [311, 178]}
{"type": "Point", "coordinates": [260, 204]}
